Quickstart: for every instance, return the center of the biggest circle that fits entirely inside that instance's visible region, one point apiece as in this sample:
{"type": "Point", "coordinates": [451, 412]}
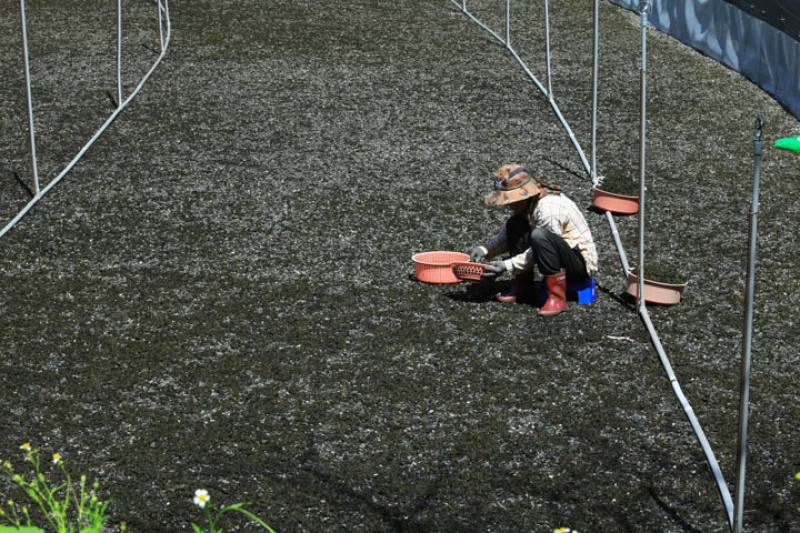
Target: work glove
{"type": "Point", "coordinates": [477, 254]}
{"type": "Point", "coordinates": [494, 269]}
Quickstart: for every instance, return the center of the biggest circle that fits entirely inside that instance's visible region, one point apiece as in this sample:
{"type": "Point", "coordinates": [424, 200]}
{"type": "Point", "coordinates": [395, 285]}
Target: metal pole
{"type": "Point", "coordinates": [160, 25]}
{"type": "Point", "coordinates": [747, 342]}
{"type": "Point", "coordinates": [547, 46]}
{"type": "Point", "coordinates": [119, 53]}
{"type": "Point", "coordinates": [508, 23]}
{"type": "Point", "coordinates": [623, 257]}
{"type": "Point", "coordinates": [595, 76]}
{"type": "Point", "coordinates": [644, 8]}
{"type": "Point", "coordinates": [31, 127]}
{"type": "Point", "coordinates": [169, 24]}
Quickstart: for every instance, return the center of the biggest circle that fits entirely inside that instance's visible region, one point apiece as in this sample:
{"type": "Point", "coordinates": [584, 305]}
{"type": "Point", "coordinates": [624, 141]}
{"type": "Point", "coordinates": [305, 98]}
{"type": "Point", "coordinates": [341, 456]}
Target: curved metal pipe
{"type": "Point", "coordinates": [699, 434]}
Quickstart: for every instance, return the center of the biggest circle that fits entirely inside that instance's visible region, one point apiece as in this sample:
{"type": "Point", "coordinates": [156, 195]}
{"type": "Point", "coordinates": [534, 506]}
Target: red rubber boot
{"type": "Point", "coordinates": [521, 289]}
{"type": "Point", "coordinates": [556, 294]}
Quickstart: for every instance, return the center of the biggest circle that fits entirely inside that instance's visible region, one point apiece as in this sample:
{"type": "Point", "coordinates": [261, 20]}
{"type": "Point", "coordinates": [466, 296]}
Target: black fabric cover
{"type": "Point", "coordinates": [781, 14]}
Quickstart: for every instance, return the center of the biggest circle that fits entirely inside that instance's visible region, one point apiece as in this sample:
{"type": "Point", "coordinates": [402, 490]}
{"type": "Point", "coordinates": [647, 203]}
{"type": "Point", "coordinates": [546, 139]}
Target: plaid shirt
{"type": "Point", "coordinates": [559, 214]}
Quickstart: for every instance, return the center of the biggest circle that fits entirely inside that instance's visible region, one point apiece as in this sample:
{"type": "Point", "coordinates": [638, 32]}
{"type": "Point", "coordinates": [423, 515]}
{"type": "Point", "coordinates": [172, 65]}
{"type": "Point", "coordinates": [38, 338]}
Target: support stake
{"type": "Point", "coordinates": [747, 337]}
{"type": "Point", "coordinates": [29, 94]}
{"type": "Point", "coordinates": [644, 8]}
{"type": "Point", "coordinates": [119, 53]}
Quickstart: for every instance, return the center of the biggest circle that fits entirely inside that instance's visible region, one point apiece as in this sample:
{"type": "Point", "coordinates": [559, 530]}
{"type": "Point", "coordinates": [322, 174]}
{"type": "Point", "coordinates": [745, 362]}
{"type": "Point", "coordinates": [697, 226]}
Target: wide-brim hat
{"type": "Point", "coordinates": [513, 184]}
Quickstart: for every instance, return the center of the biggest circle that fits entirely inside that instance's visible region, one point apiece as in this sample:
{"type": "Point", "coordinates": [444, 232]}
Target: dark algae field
{"type": "Point", "coordinates": [220, 295]}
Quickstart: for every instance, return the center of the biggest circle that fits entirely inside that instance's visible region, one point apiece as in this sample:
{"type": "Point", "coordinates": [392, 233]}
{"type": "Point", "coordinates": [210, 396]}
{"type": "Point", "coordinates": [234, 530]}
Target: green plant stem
{"type": "Point", "coordinates": [256, 519]}
{"type": "Point", "coordinates": [212, 525]}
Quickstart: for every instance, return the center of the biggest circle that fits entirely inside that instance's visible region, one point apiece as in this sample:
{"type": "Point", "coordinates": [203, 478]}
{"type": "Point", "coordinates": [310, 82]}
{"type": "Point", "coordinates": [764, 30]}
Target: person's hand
{"type": "Point", "coordinates": [477, 254]}
{"type": "Point", "coordinates": [494, 269]}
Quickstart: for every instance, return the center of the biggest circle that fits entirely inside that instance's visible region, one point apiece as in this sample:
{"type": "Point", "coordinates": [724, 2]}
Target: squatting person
{"type": "Point", "coordinates": [545, 229]}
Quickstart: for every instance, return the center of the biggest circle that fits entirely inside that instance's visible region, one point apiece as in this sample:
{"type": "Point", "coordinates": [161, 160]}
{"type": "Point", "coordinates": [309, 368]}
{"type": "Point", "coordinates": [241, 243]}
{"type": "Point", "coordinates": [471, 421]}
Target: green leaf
{"type": "Point", "coordinates": [195, 528]}
{"type": "Point", "coordinates": [234, 507]}
{"type": "Point", "coordinates": [256, 519]}
{"type": "Point", "coordinates": [788, 143]}
{"type": "Point", "coordinates": [23, 529]}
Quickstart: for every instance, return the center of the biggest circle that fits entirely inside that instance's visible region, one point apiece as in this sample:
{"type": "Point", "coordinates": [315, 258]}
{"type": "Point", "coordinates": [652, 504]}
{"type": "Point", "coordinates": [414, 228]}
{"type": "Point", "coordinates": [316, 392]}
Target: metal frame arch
{"type": "Point", "coordinates": [164, 31]}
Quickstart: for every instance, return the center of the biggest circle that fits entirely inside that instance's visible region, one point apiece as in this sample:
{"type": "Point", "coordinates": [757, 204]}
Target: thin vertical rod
{"type": "Point", "coordinates": [508, 23]}
{"type": "Point", "coordinates": [744, 405]}
{"type": "Point", "coordinates": [547, 47]}
{"type": "Point", "coordinates": [645, 8]}
{"type": "Point", "coordinates": [595, 80]}
{"type": "Point", "coordinates": [160, 25]}
{"type": "Point", "coordinates": [166, 14]}
{"type": "Point", "coordinates": [119, 53]}
{"type": "Point", "coordinates": [31, 127]}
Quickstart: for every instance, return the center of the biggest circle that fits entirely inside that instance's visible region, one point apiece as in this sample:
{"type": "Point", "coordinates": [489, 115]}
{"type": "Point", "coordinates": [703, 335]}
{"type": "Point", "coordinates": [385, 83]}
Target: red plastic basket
{"type": "Point", "coordinates": [468, 270]}
{"type": "Point", "coordinates": [434, 267]}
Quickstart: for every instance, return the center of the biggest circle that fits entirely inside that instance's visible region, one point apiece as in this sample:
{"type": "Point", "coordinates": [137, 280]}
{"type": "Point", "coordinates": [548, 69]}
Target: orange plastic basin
{"type": "Point", "coordinates": [434, 267]}
{"type": "Point", "coordinates": [655, 292]}
{"type": "Point", "coordinates": [619, 204]}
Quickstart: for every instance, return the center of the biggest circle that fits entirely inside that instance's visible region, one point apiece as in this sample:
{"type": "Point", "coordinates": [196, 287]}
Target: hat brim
{"type": "Point", "coordinates": [497, 198]}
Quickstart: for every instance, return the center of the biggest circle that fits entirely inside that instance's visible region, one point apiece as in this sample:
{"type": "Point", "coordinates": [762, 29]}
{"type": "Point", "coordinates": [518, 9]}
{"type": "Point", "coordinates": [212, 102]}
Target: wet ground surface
{"type": "Point", "coordinates": [220, 294]}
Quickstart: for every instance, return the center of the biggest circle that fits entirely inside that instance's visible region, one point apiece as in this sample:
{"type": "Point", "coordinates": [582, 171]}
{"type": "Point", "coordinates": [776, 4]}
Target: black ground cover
{"type": "Point", "coordinates": [220, 294]}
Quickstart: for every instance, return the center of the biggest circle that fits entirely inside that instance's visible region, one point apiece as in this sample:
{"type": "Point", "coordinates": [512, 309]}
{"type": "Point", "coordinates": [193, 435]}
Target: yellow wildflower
{"type": "Point", "coordinates": [25, 446]}
{"type": "Point", "coordinates": [797, 476]}
{"type": "Point", "coordinates": [56, 458]}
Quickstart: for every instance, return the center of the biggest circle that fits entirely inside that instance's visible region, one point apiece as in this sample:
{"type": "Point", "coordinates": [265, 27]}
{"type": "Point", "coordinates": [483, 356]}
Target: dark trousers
{"type": "Point", "coordinates": [552, 253]}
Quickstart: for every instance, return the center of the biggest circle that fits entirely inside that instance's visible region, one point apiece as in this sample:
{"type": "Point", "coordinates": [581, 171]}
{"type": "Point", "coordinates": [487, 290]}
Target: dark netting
{"type": "Point", "coordinates": [782, 14]}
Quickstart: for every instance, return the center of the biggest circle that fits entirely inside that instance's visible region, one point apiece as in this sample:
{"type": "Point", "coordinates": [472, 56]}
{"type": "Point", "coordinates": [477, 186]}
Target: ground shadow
{"type": "Point", "coordinates": [672, 513]}
{"type": "Point", "coordinates": [621, 298]}
{"type": "Point", "coordinates": [479, 292]}
{"type": "Point", "coordinates": [25, 186]}
{"type": "Point", "coordinates": [399, 520]}
{"type": "Point", "coordinates": [565, 168]}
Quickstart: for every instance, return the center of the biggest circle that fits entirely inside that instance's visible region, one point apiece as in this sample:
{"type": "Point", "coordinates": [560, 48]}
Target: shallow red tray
{"type": "Point", "coordinates": [468, 270]}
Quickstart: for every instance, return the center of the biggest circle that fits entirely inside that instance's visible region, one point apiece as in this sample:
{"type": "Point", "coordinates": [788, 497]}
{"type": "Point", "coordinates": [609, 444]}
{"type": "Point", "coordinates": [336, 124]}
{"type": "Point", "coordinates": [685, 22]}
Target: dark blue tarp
{"type": "Point", "coordinates": [759, 38]}
{"type": "Point", "coordinates": [781, 14]}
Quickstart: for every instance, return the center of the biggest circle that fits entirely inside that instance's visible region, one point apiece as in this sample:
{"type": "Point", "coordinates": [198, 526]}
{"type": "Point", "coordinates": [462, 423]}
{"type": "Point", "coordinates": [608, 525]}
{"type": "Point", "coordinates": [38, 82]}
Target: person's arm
{"type": "Point", "coordinates": [494, 245]}
{"type": "Point", "coordinates": [520, 262]}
